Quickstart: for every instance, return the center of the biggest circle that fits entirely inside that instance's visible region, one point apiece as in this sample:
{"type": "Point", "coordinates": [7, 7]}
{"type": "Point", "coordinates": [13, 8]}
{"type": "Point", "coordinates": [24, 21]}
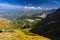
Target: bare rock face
{"type": "Point", "coordinates": [50, 26]}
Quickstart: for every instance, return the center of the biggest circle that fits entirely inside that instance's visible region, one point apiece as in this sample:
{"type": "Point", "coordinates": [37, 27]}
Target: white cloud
{"type": "Point", "coordinates": [39, 8]}
{"type": "Point", "coordinates": [8, 6]}
{"type": "Point", "coordinates": [27, 7]}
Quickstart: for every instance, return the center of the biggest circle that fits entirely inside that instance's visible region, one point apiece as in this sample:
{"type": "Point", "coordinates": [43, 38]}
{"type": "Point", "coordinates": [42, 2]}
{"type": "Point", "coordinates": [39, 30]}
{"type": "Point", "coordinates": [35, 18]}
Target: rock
{"type": "Point", "coordinates": [25, 26]}
{"type": "Point", "coordinates": [1, 31]}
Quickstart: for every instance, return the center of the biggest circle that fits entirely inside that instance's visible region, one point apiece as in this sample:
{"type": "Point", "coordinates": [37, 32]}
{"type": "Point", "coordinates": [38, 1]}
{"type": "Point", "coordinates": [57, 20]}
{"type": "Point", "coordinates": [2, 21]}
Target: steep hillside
{"type": "Point", "coordinates": [50, 26]}
{"type": "Point", "coordinates": [5, 24]}
{"type": "Point", "coordinates": [15, 34]}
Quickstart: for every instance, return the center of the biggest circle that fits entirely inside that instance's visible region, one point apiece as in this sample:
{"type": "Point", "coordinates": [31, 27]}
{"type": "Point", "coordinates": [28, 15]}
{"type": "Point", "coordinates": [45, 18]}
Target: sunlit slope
{"type": "Point", "coordinates": [5, 24]}
{"type": "Point", "coordinates": [27, 37]}
{"type": "Point", "coordinates": [19, 35]}
{"type": "Point", "coordinates": [15, 34]}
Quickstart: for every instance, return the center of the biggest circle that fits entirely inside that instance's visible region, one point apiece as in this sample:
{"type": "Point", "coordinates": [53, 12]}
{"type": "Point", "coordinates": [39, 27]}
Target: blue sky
{"type": "Point", "coordinates": [32, 3]}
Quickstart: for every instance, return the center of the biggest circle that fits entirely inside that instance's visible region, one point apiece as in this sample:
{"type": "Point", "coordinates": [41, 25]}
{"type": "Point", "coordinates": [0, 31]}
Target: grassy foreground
{"type": "Point", "coordinates": [9, 33]}
{"type": "Point", "coordinates": [19, 35]}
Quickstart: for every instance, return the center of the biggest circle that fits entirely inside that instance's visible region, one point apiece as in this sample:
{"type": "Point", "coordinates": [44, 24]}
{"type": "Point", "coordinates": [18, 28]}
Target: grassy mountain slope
{"type": "Point", "coordinates": [19, 35]}
{"type": "Point", "coordinates": [5, 24]}
{"type": "Point", "coordinates": [15, 34]}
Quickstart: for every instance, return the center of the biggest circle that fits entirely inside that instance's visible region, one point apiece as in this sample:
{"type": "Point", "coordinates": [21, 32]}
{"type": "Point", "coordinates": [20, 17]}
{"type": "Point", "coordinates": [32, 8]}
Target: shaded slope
{"type": "Point", "coordinates": [50, 26]}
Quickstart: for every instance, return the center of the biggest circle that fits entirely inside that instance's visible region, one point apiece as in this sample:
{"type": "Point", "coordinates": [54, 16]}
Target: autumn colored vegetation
{"type": "Point", "coordinates": [12, 30]}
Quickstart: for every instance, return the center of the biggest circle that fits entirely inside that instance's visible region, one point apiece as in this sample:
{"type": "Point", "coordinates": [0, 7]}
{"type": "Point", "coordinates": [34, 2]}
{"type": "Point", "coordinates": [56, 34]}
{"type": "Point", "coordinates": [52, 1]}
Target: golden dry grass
{"type": "Point", "coordinates": [27, 37]}
{"type": "Point", "coordinates": [5, 24]}
{"type": "Point", "coordinates": [17, 34]}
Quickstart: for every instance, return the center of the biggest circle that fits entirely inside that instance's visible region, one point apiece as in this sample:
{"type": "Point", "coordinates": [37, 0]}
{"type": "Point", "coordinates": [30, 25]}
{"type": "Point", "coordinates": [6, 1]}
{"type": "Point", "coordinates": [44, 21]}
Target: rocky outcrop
{"type": "Point", "coordinates": [50, 26]}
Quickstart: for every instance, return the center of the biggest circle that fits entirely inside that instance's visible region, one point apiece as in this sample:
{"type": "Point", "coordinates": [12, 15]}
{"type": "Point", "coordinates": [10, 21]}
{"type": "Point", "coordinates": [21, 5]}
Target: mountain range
{"type": "Point", "coordinates": [12, 12]}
